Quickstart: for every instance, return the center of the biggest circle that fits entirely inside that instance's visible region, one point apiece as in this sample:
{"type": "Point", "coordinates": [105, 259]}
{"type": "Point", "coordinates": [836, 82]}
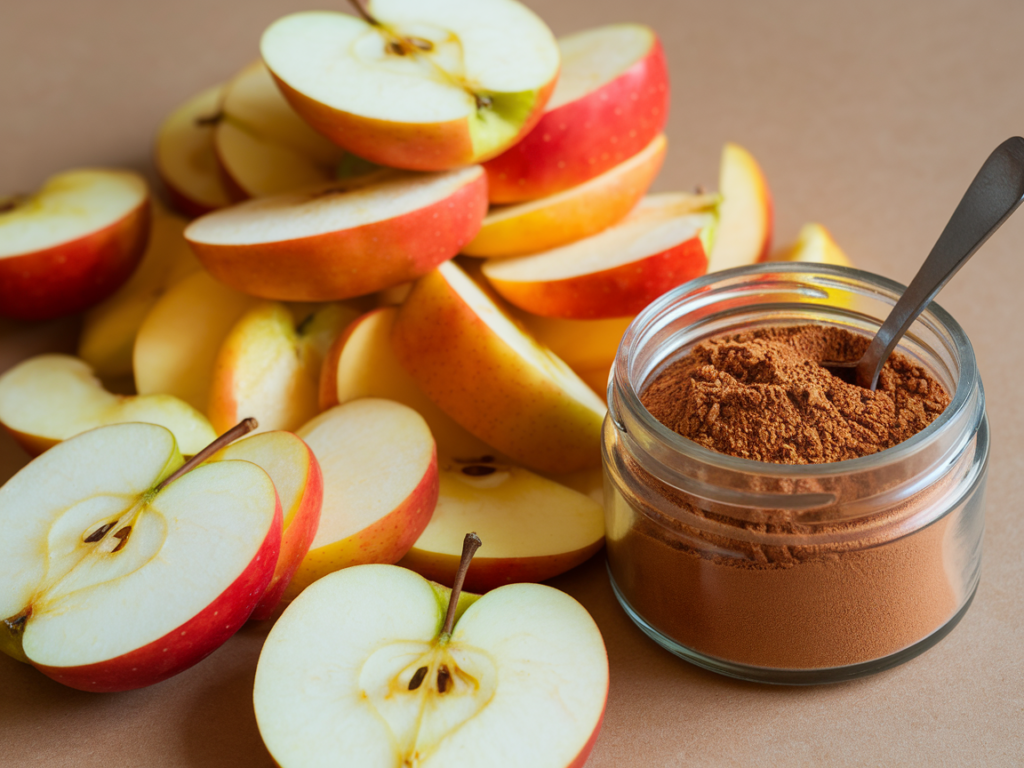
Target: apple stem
{"type": "Point", "coordinates": [469, 547]}
{"type": "Point", "coordinates": [361, 10]}
{"type": "Point", "coordinates": [241, 428]}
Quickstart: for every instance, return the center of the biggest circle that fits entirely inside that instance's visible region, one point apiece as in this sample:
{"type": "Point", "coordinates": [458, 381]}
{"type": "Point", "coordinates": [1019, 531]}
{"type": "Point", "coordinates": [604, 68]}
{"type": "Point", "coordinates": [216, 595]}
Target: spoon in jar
{"type": "Point", "coordinates": [994, 194]}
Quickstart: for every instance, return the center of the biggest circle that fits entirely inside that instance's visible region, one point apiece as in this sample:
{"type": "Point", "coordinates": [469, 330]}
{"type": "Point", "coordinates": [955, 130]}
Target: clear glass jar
{"type": "Point", "coordinates": [793, 574]}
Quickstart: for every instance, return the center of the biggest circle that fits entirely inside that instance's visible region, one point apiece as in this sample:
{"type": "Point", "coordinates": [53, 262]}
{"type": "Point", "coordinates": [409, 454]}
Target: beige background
{"type": "Point", "coordinates": [870, 117]}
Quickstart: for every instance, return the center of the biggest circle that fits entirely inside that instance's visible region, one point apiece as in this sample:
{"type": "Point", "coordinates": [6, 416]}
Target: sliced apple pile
{"type": "Point", "coordinates": [745, 213]}
{"type": "Point", "coordinates": [574, 214]}
{"type": "Point", "coordinates": [610, 102]}
{"type": "Point", "coordinates": [346, 238]}
{"type": "Point", "coordinates": [426, 86]}
{"type": "Point", "coordinates": [50, 398]}
{"type": "Point", "coordinates": [618, 272]}
{"type": "Point", "coordinates": [185, 158]}
{"type": "Point", "coordinates": [815, 245]}
{"type": "Point", "coordinates": [72, 243]}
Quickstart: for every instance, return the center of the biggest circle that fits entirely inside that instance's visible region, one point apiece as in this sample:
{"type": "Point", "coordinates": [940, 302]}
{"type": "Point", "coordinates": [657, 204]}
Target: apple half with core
{"type": "Point", "coordinates": [72, 243]}
{"type": "Point", "coordinates": [377, 667]}
{"type": "Point", "coordinates": [745, 215]}
{"type": "Point", "coordinates": [425, 85]}
{"type": "Point", "coordinates": [611, 100]}
{"type": "Point", "coordinates": [345, 238]}
{"type": "Point", "coordinates": [126, 571]}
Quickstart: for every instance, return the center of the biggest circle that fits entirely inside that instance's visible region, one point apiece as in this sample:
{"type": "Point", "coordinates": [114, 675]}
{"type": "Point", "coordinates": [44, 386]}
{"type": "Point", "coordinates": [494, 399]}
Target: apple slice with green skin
{"type": "Point", "coordinates": [346, 238]}
{"type": "Point", "coordinates": [109, 328]}
{"type": "Point", "coordinates": [50, 398]}
{"type": "Point", "coordinates": [413, 84]}
{"type": "Point", "coordinates": [269, 366]}
{"type": "Point", "coordinates": [126, 572]}
{"type": "Point", "coordinates": [72, 243]}
{"type": "Point", "coordinates": [536, 528]}
{"type": "Point", "coordinates": [814, 245]}
{"type": "Point", "coordinates": [263, 147]}
{"type": "Point", "coordinates": [661, 244]}
{"type": "Point", "coordinates": [571, 215]}
{"type": "Point", "coordinates": [368, 668]}
{"type": "Point", "coordinates": [185, 157]}
{"type": "Point", "coordinates": [379, 464]}
{"type": "Point", "coordinates": [484, 371]}
{"type": "Point", "coordinates": [300, 487]}
{"type": "Point", "coordinates": [611, 100]}
{"type": "Point", "coordinates": [177, 345]}
{"type": "Point", "coordinates": [745, 216]}
{"type": "Point", "coordinates": [361, 363]}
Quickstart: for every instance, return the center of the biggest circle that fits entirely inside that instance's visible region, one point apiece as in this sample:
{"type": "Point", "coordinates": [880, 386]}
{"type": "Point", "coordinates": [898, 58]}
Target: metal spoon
{"type": "Point", "coordinates": [994, 194]}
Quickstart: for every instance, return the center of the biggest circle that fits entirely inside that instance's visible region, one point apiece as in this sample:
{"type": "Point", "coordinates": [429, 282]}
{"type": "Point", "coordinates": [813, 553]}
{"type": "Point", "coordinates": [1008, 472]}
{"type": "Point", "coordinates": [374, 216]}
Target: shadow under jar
{"type": "Point", "coordinates": [793, 574]}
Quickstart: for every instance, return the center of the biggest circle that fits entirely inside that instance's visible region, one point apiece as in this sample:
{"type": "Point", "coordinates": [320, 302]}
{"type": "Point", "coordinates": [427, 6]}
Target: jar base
{"type": "Point", "coordinates": [777, 676]}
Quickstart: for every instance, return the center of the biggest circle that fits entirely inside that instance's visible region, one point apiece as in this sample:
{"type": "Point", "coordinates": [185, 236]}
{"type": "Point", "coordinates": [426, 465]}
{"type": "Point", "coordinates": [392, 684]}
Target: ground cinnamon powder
{"type": "Point", "coordinates": [835, 595]}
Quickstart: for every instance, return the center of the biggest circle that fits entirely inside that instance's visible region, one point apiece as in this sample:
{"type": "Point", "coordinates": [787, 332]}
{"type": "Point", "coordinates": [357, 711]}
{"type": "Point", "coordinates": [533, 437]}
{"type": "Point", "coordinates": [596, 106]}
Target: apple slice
{"type": "Point", "coordinates": [610, 102]}
{"type": "Point", "coordinates": [269, 366]}
{"type": "Point", "coordinates": [583, 344]}
{"type": "Point", "coordinates": [177, 345]}
{"type": "Point", "coordinates": [185, 158]}
{"type": "Point", "coordinates": [426, 86]}
{"type": "Point", "coordinates": [659, 245]}
{"type": "Point", "coordinates": [109, 328]}
{"type": "Point", "coordinates": [72, 243]}
{"type": "Point", "coordinates": [745, 214]}
{"type": "Point", "coordinates": [346, 238]}
{"type": "Point", "coordinates": [263, 146]}
{"type": "Point", "coordinates": [572, 215]}
{"type": "Point", "coordinates": [470, 358]}
{"type": "Point", "coordinates": [49, 398]}
{"type": "Point", "coordinates": [300, 487]}
{"type": "Point", "coordinates": [362, 363]}
{"type": "Point", "coordinates": [535, 528]}
{"type": "Point", "coordinates": [379, 465]}
{"type": "Point", "coordinates": [125, 573]}
{"type": "Point", "coordinates": [814, 245]}
{"type": "Point", "coordinates": [367, 669]}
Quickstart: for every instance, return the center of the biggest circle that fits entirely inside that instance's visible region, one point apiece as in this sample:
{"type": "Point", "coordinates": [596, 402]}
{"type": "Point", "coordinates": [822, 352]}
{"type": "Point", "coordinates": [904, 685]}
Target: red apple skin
{"type": "Point", "coordinates": [584, 753]}
{"type": "Point", "coordinates": [616, 292]}
{"type": "Point", "coordinates": [377, 255]}
{"type": "Point", "coordinates": [190, 643]}
{"type": "Point", "coordinates": [586, 137]}
{"type": "Point", "coordinates": [415, 147]}
{"type": "Point", "coordinates": [73, 276]}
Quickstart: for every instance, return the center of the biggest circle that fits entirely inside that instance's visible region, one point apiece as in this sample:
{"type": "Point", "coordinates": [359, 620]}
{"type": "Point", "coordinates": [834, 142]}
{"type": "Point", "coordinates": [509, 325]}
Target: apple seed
{"type": "Point", "coordinates": [122, 535]}
{"type": "Point", "coordinates": [417, 678]}
{"type": "Point", "coordinates": [98, 534]}
{"type": "Point", "coordinates": [443, 678]}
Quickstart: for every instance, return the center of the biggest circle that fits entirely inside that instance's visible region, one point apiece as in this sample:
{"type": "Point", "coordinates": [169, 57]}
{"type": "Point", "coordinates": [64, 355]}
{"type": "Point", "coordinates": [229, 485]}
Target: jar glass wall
{"type": "Point", "coordinates": [793, 573]}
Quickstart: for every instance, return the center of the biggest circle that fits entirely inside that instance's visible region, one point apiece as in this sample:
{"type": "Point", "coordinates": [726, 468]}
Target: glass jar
{"type": "Point", "coordinates": [793, 574]}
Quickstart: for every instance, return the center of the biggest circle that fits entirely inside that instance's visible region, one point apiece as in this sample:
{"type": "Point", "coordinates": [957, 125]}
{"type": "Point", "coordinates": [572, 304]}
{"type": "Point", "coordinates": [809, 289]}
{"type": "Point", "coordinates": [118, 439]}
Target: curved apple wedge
{"type": "Point", "coordinates": [814, 245]}
{"type": "Point", "coordinates": [358, 671]}
{"type": "Point", "coordinates": [346, 238]}
{"type": "Point", "coordinates": [535, 528]}
{"type": "Point", "coordinates": [71, 244]}
{"type": "Point", "coordinates": [110, 580]}
{"type": "Point", "coordinates": [745, 214]}
{"type": "Point", "coordinates": [659, 245]}
{"type": "Point", "coordinates": [579, 212]}
{"type": "Point", "coordinates": [47, 399]}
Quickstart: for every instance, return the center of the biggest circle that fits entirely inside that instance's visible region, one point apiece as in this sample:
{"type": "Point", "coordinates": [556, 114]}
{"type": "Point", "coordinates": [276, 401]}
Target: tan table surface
{"type": "Point", "coordinates": [870, 117]}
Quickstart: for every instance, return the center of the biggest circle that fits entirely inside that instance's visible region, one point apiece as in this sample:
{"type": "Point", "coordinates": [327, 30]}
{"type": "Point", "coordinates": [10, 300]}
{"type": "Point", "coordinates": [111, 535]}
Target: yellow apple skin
{"type": "Point", "coordinates": [815, 245]}
{"type": "Point", "coordinates": [571, 215]}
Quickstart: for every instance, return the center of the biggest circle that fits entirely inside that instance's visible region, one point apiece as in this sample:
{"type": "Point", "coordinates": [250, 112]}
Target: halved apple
{"type": "Point", "coordinates": [263, 146]}
{"type": "Point", "coordinates": [744, 233]}
{"type": "Point", "coordinates": [50, 398]}
{"type": "Point", "coordinates": [115, 575]}
{"type": "Point", "coordinates": [571, 215]}
{"type": "Point", "coordinates": [814, 244]}
{"type": "Point", "coordinates": [379, 465]}
{"type": "Point", "coordinates": [659, 245]}
{"type": "Point", "coordinates": [300, 487]}
{"type": "Point", "coordinates": [413, 84]}
{"type": "Point", "coordinates": [346, 238]}
{"type": "Point", "coordinates": [610, 102]}
{"type": "Point", "coordinates": [185, 158]}
{"type": "Point", "coordinates": [177, 345]}
{"type": "Point", "coordinates": [72, 243]}
{"type": "Point", "coordinates": [269, 366]}
{"type": "Point", "coordinates": [470, 358]}
{"type": "Point", "coordinates": [535, 528]}
{"type": "Point", "coordinates": [109, 328]}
